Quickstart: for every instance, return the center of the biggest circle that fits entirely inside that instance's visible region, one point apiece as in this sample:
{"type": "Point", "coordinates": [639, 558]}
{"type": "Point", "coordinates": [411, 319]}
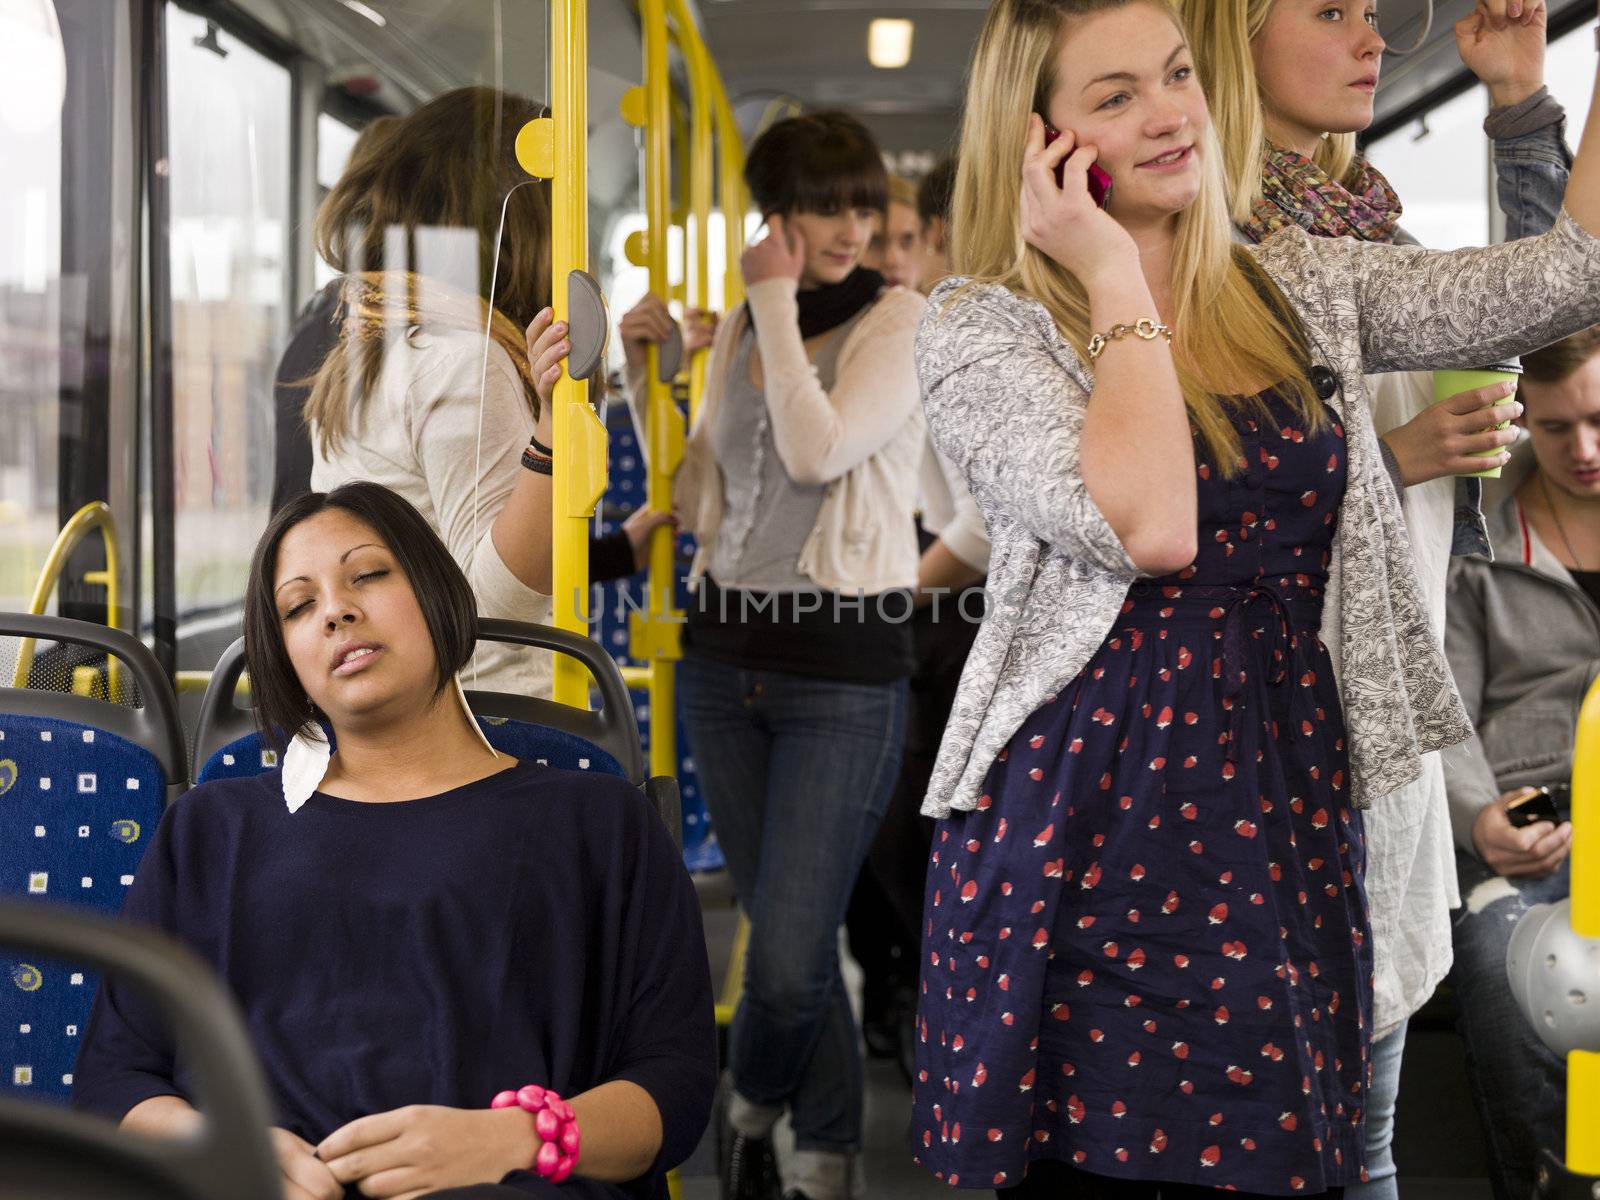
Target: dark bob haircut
{"type": "Point", "coordinates": [443, 593]}
{"type": "Point", "coordinates": [817, 163]}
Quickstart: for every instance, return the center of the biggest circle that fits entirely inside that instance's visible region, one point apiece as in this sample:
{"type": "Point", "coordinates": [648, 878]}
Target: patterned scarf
{"type": "Point", "coordinates": [377, 302]}
{"type": "Point", "coordinates": [1295, 191]}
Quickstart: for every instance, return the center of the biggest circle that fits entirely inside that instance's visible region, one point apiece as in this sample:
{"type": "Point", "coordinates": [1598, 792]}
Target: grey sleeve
{"type": "Point", "coordinates": [1531, 161]}
{"type": "Point", "coordinates": [1470, 784]}
{"type": "Point", "coordinates": [1391, 464]}
{"type": "Point", "coordinates": [1005, 410]}
{"type": "Point", "coordinates": [1421, 310]}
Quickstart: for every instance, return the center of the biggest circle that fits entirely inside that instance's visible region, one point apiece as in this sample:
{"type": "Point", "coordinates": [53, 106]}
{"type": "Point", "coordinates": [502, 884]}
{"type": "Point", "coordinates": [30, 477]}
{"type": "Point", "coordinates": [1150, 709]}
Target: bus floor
{"type": "Point", "coordinates": [1438, 1144]}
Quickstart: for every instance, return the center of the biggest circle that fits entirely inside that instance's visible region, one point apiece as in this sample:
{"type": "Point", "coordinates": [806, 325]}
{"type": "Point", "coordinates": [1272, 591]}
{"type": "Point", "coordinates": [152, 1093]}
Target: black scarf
{"type": "Point", "coordinates": [830, 306]}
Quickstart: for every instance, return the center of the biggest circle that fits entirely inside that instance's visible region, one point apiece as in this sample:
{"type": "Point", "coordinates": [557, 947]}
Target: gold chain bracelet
{"type": "Point", "coordinates": [1144, 328]}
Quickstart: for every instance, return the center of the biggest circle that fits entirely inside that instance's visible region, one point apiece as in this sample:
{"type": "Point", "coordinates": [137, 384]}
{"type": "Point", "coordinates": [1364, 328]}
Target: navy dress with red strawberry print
{"type": "Point", "coordinates": [1145, 952]}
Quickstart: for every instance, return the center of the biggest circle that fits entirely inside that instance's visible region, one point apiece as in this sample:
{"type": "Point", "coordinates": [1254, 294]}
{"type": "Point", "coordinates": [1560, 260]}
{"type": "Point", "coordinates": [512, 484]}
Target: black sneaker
{"type": "Point", "coordinates": [749, 1168]}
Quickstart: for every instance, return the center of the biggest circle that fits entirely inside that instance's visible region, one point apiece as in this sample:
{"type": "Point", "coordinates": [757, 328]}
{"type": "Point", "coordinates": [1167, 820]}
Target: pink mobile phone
{"type": "Point", "coordinates": [1099, 181]}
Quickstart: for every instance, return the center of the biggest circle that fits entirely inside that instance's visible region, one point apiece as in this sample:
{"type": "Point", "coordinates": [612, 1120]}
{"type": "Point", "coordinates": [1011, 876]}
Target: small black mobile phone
{"type": "Point", "coordinates": [1535, 804]}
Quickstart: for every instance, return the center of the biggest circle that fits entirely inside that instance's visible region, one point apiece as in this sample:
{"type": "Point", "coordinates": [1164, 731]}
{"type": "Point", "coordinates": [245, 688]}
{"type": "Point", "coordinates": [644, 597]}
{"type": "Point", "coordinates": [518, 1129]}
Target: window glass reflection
{"type": "Point", "coordinates": [228, 117]}
{"type": "Point", "coordinates": [34, 298]}
{"type": "Point", "coordinates": [1440, 169]}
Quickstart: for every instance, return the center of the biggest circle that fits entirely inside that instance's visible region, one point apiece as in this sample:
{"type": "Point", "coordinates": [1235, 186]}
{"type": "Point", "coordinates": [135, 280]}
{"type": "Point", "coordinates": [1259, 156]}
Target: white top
{"type": "Point", "coordinates": [418, 435]}
{"type": "Point", "coordinates": [1411, 862]}
{"type": "Point", "coordinates": [862, 438]}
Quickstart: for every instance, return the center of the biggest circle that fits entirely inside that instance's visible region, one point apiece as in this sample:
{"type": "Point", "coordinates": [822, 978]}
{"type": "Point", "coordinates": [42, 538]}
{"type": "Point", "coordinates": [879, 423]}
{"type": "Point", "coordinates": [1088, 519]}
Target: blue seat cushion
{"type": "Point", "coordinates": [78, 807]}
{"type": "Point", "coordinates": [250, 755]}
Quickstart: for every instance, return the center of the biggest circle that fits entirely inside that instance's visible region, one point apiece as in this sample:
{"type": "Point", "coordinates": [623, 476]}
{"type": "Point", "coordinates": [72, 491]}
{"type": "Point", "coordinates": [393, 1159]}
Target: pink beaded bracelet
{"type": "Point", "coordinates": [555, 1124]}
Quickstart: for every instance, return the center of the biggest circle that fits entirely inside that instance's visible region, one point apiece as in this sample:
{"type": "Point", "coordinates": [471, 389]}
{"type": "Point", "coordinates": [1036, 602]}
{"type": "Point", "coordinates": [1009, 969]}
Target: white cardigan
{"type": "Point", "coordinates": [864, 438]}
{"type": "Point", "coordinates": [1411, 863]}
{"type": "Point", "coordinates": [418, 435]}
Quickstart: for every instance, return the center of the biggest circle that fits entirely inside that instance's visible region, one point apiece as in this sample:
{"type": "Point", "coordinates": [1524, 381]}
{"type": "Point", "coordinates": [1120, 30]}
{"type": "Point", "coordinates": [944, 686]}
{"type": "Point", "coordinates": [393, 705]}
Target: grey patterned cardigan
{"type": "Point", "coordinates": [1006, 394]}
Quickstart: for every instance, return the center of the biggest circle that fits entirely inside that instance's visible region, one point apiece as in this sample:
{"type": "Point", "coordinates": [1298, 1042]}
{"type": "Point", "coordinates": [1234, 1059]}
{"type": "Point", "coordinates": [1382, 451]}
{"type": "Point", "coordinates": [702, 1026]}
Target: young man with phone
{"type": "Point", "coordinates": [1523, 638]}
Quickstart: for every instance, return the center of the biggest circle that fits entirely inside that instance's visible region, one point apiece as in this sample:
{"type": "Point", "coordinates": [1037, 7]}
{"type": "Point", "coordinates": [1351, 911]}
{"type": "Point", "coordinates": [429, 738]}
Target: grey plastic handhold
{"type": "Point", "coordinates": [587, 324]}
{"type": "Point", "coordinates": [1555, 978]}
{"type": "Point", "coordinates": [669, 356]}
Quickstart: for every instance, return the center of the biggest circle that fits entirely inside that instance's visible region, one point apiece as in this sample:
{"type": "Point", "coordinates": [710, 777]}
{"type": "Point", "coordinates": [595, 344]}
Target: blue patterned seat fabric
{"type": "Point", "coordinates": [249, 755]}
{"type": "Point", "coordinates": [78, 806]}
{"type": "Point", "coordinates": [609, 627]}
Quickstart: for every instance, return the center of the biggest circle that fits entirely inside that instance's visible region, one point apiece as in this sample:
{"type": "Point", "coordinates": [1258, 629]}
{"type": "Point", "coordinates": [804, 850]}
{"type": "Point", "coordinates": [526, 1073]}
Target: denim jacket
{"type": "Point", "coordinates": [1531, 166]}
{"type": "Point", "coordinates": [1531, 162]}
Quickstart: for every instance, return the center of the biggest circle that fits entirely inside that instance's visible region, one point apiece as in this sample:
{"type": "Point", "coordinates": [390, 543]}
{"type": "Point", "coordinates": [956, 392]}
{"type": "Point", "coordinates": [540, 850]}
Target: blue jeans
{"type": "Point", "coordinates": [1519, 1084]}
{"type": "Point", "coordinates": [796, 774]}
{"type": "Point", "coordinates": [1381, 1098]}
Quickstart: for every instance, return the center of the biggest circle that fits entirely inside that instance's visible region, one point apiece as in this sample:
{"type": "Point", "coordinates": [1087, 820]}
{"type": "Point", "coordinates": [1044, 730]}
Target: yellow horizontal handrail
{"type": "Point", "coordinates": [96, 515]}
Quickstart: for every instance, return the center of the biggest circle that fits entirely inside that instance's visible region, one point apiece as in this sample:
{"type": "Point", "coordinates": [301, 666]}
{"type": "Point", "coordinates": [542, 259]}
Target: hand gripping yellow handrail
{"type": "Point", "coordinates": [653, 633]}
{"type": "Point", "coordinates": [95, 515]}
{"type": "Point", "coordinates": [556, 148]}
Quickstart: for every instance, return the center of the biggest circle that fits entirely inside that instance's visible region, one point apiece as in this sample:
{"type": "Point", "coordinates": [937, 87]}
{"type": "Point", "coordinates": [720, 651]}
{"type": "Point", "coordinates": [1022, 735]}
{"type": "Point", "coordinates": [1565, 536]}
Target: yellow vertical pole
{"type": "Point", "coordinates": [1583, 1066]}
{"type": "Point", "coordinates": [653, 634]}
{"type": "Point", "coordinates": [735, 203]}
{"type": "Point", "coordinates": [680, 208]}
{"type": "Point", "coordinates": [701, 102]}
{"type": "Point", "coordinates": [579, 478]}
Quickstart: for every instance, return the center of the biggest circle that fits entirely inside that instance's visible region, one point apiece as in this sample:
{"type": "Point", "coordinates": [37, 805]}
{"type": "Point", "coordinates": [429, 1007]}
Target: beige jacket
{"type": "Point", "coordinates": [864, 439]}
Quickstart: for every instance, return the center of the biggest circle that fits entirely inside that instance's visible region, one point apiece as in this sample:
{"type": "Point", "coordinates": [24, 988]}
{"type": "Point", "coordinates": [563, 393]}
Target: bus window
{"type": "Point", "coordinates": [30, 291]}
{"type": "Point", "coordinates": [228, 115]}
{"type": "Point", "coordinates": [335, 140]}
{"type": "Point", "coordinates": [1440, 169]}
{"type": "Point", "coordinates": [68, 244]}
{"type": "Point", "coordinates": [1569, 70]}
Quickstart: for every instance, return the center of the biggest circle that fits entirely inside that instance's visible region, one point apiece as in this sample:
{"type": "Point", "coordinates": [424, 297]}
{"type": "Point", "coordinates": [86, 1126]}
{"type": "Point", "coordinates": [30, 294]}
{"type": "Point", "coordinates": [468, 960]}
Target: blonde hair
{"type": "Point", "coordinates": [452, 162]}
{"type": "Point", "coordinates": [902, 191]}
{"type": "Point", "coordinates": [1232, 325]}
{"type": "Point", "coordinates": [1220, 35]}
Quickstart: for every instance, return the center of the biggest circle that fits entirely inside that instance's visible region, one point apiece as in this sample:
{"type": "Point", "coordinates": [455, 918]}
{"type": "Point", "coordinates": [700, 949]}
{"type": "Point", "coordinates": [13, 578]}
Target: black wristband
{"type": "Point", "coordinates": [540, 448]}
{"type": "Point", "coordinates": [537, 463]}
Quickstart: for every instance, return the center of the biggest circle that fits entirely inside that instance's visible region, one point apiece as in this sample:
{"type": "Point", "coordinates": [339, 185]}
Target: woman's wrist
{"type": "Point", "coordinates": [514, 1139]}
{"type": "Point", "coordinates": [1512, 91]}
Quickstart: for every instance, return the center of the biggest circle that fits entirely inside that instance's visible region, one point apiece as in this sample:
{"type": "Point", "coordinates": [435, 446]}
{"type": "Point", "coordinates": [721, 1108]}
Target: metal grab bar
{"type": "Point", "coordinates": [96, 515]}
{"type": "Point", "coordinates": [653, 633]}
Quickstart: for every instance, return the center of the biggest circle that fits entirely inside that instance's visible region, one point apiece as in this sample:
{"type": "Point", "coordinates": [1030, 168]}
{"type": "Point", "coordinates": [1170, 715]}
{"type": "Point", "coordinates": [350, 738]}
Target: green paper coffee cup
{"type": "Point", "coordinates": [1453, 383]}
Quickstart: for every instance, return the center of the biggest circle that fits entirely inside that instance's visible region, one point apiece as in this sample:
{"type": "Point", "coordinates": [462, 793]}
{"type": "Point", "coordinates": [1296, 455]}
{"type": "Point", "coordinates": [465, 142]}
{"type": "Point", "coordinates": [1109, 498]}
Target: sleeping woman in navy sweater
{"type": "Point", "coordinates": [418, 926]}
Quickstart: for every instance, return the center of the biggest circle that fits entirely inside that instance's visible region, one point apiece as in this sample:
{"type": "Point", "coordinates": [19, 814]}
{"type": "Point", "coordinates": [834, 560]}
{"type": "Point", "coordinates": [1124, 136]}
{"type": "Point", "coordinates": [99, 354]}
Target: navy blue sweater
{"type": "Point", "coordinates": [534, 927]}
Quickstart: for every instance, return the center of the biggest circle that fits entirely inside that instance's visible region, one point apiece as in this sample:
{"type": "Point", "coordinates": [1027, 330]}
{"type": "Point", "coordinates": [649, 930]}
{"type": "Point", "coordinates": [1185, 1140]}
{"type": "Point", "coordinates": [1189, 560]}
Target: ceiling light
{"type": "Point", "coordinates": [889, 42]}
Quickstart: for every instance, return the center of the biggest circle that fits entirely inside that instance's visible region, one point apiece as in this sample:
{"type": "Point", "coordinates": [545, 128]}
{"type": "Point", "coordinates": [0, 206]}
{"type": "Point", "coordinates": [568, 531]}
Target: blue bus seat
{"type": "Point", "coordinates": [83, 783]}
{"type": "Point", "coordinates": [51, 1152]}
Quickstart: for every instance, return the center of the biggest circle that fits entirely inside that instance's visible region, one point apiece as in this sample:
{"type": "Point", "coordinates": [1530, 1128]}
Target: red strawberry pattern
{"type": "Point", "coordinates": [1188, 996]}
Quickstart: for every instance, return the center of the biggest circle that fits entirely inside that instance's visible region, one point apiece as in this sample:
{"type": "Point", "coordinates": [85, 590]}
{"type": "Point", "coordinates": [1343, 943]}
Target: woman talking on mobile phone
{"type": "Point", "coordinates": [1146, 962]}
{"type": "Point", "coordinates": [1290, 84]}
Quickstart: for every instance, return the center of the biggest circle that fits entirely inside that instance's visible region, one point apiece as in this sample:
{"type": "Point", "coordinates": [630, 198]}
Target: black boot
{"type": "Point", "coordinates": [749, 1168]}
